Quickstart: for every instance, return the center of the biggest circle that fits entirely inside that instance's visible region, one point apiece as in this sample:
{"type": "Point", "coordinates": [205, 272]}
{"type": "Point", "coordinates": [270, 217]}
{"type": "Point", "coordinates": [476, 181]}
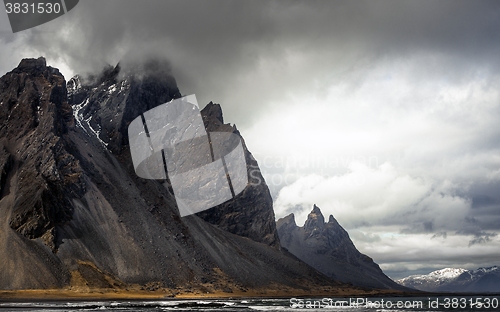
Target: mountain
{"type": "Point", "coordinates": [74, 215]}
{"type": "Point", "coordinates": [251, 212]}
{"type": "Point", "coordinates": [481, 280]}
{"type": "Point", "coordinates": [328, 248]}
{"type": "Point", "coordinates": [109, 102]}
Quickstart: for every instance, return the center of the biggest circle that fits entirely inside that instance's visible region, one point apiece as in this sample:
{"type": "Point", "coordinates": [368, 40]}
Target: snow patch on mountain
{"type": "Point", "coordinates": [85, 123]}
{"type": "Point", "coordinates": [447, 273]}
{"type": "Point", "coordinates": [76, 113]}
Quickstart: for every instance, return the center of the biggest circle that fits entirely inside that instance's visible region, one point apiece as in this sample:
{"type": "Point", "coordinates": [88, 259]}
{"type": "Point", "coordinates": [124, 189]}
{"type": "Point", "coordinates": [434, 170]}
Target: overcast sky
{"type": "Point", "coordinates": [385, 114]}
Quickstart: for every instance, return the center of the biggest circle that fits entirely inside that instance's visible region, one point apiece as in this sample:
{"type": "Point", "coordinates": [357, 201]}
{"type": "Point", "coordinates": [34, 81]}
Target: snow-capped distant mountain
{"type": "Point", "coordinates": [456, 280]}
{"type": "Point", "coordinates": [446, 274]}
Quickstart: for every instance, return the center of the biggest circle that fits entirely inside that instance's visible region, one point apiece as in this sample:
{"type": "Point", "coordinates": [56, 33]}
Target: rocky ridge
{"type": "Point", "coordinates": [34, 156]}
{"type": "Point", "coordinates": [328, 248]}
{"type": "Point", "coordinates": [250, 213]}
{"type": "Point", "coordinates": [107, 104]}
{"type": "Point", "coordinates": [74, 214]}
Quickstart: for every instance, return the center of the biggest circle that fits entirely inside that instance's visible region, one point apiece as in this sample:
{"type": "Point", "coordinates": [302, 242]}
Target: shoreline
{"type": "Point", "coordinates": [43, 295]}
{"type": "Point", "coordinates": [168, 294]}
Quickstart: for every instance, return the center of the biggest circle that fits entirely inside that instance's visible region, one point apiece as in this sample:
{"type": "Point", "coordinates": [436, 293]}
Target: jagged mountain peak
{"type": "Point", "coordinates": [36, 66]}
{"type": "Point", "coordinates": [250, 213]}
{"type": "Point", "coordinates": [213, 119]}
{"type": "Point", "coordinates": [316, 210]}
{"type": "Point", "coordinates": [34, 94]}
{"type": "Point", "coordinates": [332, 220]}
{"type": "Point", "coordinates": [315, 220]}
{"type": "Point", "coordinates": [328, 248]}
{"type": "Point", "coordinates": [290, 219]}
{"type": "Point", "coordinates": [106, 103]}
{"type": "Point", "coordinates": [287, 223]}
{"type": "Point", "coordinates": [214, 111]}
{"type": "Point", "coordinates": [32, 63]}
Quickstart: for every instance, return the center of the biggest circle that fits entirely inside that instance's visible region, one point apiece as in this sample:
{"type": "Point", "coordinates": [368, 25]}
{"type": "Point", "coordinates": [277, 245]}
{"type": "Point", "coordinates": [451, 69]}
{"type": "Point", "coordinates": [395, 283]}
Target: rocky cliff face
{"type": "Point", "coordinates": [74, 213]}
{"type": "Point", "coordinates": [250, 213]}
{"type": "Point", "coordinates": [328, 248]}
{"type": "Point", "coordinates": [107, 104]}
{"type": "Point", "coordinates": [36, 164]}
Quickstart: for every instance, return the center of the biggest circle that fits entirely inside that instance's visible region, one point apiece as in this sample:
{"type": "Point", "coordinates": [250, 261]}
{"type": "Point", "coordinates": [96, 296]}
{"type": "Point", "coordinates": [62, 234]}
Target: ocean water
{"type": "Point", "coordinates": [394, 304]}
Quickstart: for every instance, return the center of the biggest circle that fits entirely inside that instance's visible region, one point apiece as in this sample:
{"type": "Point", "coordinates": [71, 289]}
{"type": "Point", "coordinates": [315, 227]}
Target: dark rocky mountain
{"type": "Point", "coordinates": [482, 280]}
{"type": "Point", "coordinates": [250, 213]}
{"type": "Point", "coordinates": [328, 248]}
{"type": "Point", "coordinates": [107, 105]}
{"type": "Point", "coordinates": [74, 213]}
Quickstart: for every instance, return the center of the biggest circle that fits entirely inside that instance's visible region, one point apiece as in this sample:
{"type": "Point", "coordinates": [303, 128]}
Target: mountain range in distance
{"type": "Point", "coordinates": [482, 280]}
